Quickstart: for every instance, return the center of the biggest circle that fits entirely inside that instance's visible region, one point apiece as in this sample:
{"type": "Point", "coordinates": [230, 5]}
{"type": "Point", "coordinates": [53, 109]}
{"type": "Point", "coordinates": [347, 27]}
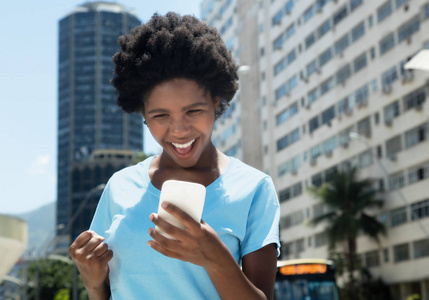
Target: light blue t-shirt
{"type": "Point", "coordinates": [241, 206]}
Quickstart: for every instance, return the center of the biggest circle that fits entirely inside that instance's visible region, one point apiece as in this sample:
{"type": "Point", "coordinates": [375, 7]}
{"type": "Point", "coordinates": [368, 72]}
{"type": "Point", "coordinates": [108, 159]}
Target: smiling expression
{"type": "Point", "coordinates": [180, 116]}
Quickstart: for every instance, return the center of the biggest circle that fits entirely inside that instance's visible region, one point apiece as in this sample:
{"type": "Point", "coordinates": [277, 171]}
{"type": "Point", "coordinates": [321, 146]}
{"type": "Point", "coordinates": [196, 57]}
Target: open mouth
{"type": "Point", "coordinates": [183, 149]}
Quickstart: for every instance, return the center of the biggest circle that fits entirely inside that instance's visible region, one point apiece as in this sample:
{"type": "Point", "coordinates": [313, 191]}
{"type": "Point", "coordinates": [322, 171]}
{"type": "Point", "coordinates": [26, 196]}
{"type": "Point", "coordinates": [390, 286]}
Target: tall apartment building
{"type": "Point", "coordinates": [238, 131]}
{"type": "Point", "coordinates": [88, 117]}
{"type": "Point", "coordinates": [330, 70]}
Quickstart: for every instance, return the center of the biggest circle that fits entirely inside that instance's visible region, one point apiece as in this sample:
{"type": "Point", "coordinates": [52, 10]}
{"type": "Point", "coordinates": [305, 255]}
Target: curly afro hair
{"type": "Point", "coordinates": [169, 47]}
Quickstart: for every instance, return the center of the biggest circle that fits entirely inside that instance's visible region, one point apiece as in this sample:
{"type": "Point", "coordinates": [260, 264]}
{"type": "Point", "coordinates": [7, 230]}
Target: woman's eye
{"type": "Point", "coordinates": [194, 111]}
{"type": "Point", "coordinates": [160, 116]}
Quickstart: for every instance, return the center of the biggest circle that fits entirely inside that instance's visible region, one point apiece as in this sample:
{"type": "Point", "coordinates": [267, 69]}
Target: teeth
{"type": "Point", "coordinates": [183, 145]}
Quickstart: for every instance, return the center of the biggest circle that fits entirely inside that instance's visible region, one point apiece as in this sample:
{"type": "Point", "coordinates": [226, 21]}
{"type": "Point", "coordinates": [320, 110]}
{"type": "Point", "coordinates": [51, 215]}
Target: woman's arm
{"type": "Point", "coordinates": [91, 257]}
{"type": "Point", "coordinates": [199, 244]}
{"type": "Point", "coordinates": [259, 268]}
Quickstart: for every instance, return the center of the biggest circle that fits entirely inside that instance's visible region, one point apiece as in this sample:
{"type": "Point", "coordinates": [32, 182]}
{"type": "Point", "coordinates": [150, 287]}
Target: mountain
{"type": "Point", "coordinates": [41, 225]}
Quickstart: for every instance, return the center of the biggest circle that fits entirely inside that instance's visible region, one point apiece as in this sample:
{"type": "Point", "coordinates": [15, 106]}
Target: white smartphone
{"type": "Point", "coordinates": [187, 196]}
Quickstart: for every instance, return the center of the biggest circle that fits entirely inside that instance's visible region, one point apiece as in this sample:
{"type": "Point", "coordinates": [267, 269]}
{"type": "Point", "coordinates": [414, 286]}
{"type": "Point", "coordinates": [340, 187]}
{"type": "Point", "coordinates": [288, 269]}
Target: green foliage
{"type": "Point", "coordinates": [368, 288]}
{"type": "Point", "coordinates": [348, 200]}
{"type": "Point", "coordinates": [55, 280]}
{"type": "Point", "coordinates": [141, 156]}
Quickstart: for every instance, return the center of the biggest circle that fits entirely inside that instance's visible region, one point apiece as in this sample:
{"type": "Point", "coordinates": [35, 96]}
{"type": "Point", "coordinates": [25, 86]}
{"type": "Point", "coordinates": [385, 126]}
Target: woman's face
{"type": "Point", "coordinates": [180, 116]}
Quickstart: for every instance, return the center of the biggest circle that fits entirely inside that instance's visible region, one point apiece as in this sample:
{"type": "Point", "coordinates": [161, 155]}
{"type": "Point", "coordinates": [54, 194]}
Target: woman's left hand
{"type": "Point", "coordinates": [198, 243]}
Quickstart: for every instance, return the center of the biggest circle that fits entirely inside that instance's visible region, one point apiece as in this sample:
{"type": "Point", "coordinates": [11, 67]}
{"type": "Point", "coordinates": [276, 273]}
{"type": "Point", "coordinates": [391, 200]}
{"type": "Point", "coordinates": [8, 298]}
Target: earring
{"type": "Point", "coordinates": [144, 122]}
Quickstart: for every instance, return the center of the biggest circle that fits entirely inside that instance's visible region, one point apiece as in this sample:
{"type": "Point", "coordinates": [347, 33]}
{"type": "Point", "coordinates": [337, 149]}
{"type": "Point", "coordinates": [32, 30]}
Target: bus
{"type": "Point", "coordinates": [305, 279]}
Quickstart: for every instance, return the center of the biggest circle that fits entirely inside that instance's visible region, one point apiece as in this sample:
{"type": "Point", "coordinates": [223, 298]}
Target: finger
{"type": "Point", "coordinates": [162, 240]}
{"type": "Point", "coordinates": [167, 227]}
{"type": "Point", "coordinates": [106, 256]}
{"type": "Point", "coordinates": [164, 251]}
{"type": "Point", "coordinates": [82, 239]}
{"type": "Point", "coordinates": [180, 215]}
{"type": "Point", "coordinates": [92, 243]}
{"type": "Point", "coordinates": [100, 249]}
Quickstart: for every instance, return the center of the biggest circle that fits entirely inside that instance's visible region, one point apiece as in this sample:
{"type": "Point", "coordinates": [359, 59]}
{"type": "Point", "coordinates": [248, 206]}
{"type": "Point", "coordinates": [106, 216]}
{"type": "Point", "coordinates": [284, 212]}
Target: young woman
{"type": "Point", "coordinates": [178, 73]}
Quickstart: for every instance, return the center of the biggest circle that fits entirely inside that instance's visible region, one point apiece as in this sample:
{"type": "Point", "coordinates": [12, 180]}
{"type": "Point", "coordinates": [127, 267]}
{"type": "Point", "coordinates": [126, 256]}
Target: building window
{"type": "Point", "coordinates": [391, 111]}
{"type": "Point", "coordinates": [387, 43]}
{"type": "Point", "coordinates": [278, 42]}
{"type": "Point", "coordinates": [311, 67]}
{"type": "Point", "coordinates": [343, 74]}
{"type": "Point", "coordinates": [287, 114]}
{"type": "Point", "coordinates": [407, 30]}
{"type": "Point", "coordinates": [396, 181]}
{"type": "Point", "coordinates": [386, 254]}
{"type": "Point", "coordinates": [281, 91]}
{"type": "Point", "coordinates": [325, 57]}
{"type": "Point", "coordinates": [416, 135]}
{"type": "Point", "coordinates": [343, 106]}
{"type": "Point", "coordinates": [415, 99]}
{"type": "Point", "coordinates": [324, 28]}
{"type": "Point", "coordinates": [372, 52]}
{"type": "Point", "coordinates": [292, 220]}
{"type": "Point", "coordinates": [289, 6]}
{"type": "Point", "coordinates": [358, 31]}
{"type": "Point", "coordinates": [330, 145]}
{"type": "Point", "coordinates": [320, 239]}
{"type": "Point", "coordinates": [277, 19]}
{"type": "Point", "coordinates": [384, 11]}
{"type": "Point", "coordinates": [421, 248]}
{"type": "Point", "coordinates": [364, 127]}
{"type": "Point", "coordinates": [393, 146]}
{"type": "Point", "coordinates": [284, 195]}
{"type": "Point", "coordinates": [312, 96]}
{"type": "Point", "coordinates": [372, 259]}
{"type": "Point", "coordinates": [317, 180]}
{"type": "Point", "coordinates": [355, 4]}
{"type": "Point", "coordinates": [426, 11]}
{"type": "Point", "coordinates": [328, 115]}
{"type": "Point", "coordinates": [297, 189]}
{"type": "Point", "coordinates": [316, 151]}
{"type": "Point", "coordinates": [398, 216]}
{"type": "Point", "coordinates": [310, 40]}
{"type": "Point", "coordinates": [418, 173]}
{"type": "Point", "coordinates": [342, 44]}
{"type": "Point", "coordinates": [308, 14]}
{"type": "Point", "coordinates": [290, 31]}
{"type": "Point", "coordinates": [401, 252]}
{"type": "Point", "coordinates": [362, 95]}
{"type": "Point", "coordinates": [339, 15]}
{"type": "Point", "coordinates": [280, 66]}
{"type": "Point", "coordinates": [365, 159]}
{"type": "Point", "coordinates": [327, 85]}
{"type": "Point", "coordinates": [420, 210]}
{"type": "Point", "coordinates": [389, 76]}
{"type": "Point", "coordinates": [313, 124]}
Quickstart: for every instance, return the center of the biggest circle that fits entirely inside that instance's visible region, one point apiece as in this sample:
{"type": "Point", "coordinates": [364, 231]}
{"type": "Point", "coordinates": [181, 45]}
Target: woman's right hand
{"type": "Point", "coordinates": [91, 256]}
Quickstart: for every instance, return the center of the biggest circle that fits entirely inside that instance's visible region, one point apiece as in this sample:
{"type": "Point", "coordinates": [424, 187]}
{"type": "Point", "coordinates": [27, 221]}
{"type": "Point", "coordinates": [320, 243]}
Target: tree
{"type": "Point", "coordinates": [141, 156]}
{"type": "Point", "coordinates": [55, 280]}
{"type": "Point", "coordinates": [348, 199]}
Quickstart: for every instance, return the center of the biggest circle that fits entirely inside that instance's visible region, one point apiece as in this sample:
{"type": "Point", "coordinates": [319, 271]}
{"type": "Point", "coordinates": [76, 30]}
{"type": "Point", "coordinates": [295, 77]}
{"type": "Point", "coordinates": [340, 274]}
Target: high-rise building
{"type": "Point", "coordinates": [334, 93]}
{"type": "Point", "coordinates": [238, 131]}
{"type": "Point", "coordinates": [88, 117]}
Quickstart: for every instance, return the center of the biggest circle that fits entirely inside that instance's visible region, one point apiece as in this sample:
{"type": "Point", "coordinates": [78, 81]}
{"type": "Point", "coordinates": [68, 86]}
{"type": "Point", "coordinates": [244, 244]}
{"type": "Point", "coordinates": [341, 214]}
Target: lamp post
{"type": "Point", "coordinates": [358, 137]}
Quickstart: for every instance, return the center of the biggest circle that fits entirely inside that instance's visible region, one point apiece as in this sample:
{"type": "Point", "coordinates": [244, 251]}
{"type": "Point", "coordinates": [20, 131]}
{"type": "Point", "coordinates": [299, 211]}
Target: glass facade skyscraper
{"type": "Point", "coordinates": [88, 117]}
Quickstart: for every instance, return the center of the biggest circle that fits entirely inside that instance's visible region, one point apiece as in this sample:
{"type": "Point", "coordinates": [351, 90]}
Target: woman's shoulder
{"type": "Point", "coordinates": [133, 174]}
{"type": "Point", "coordinates": [243, 171]}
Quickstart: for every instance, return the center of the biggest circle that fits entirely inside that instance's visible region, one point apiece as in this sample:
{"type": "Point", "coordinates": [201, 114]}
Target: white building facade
{"type": "Point", "coordinates": [238, 132]}
{"type": "Point", "coordinates": [329, 70]}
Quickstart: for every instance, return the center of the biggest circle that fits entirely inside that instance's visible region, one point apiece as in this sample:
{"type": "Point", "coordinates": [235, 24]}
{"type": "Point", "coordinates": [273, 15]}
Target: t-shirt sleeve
{"type": "Point", "coordinates": [263, 219]}
{"type": "Point", "coordinates": [102, 218]}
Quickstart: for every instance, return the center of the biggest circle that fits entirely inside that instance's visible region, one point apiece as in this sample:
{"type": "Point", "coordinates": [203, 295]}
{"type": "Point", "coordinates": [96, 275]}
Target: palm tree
{"type": "Point", "coordinates": [348, 200]}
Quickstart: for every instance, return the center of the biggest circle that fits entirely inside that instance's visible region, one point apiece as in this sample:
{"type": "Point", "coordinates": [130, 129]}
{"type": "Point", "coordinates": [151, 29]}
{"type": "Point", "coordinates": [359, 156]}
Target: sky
{"type": "Point", "coordinates": [28, 95]}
